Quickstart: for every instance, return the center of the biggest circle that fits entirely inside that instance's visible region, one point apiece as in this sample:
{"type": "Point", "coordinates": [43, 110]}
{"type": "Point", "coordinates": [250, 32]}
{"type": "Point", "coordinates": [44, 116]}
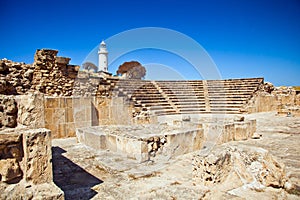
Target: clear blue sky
{"type": "Point", "coordinates": [258, 38]}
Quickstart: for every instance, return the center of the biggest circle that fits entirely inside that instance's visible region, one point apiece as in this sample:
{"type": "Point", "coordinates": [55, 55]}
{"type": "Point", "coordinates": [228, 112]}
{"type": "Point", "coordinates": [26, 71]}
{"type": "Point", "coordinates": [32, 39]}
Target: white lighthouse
{"type": "Point", "coordinates": [103, 57]}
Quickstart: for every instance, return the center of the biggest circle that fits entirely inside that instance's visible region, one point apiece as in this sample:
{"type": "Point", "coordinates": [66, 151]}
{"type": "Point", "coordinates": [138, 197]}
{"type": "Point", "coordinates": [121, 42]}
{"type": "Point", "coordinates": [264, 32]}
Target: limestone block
{"type": "Point", "coordinates": [69, 115]}
{"type": "Point", "coordinates": [11, 146]}
{"type": "Point", "coordinates": [111, 142]}
{"type": "Point", "coordinates": [297, 100]}
{"type": "Point", "coordinates": [133, 148]}
{"type": "Point", "coordinates": [93, 140]}
{"type": "Point", "coordinates": [8, 111]}
{"type": "Point", "coordinates": [239, 118]}
{"type": "Point", "coordinates": [3, 67]}
{"type": "Point", "coordinates": [37, 155]}
{"type": "Point", "coordinates": [80, 136]}
{"type": "Point", "coordinates": [198, 139]}
{"type": "Point", "coordinates": [70, 129]}
{"type": "Point", "coordinates": [62, 60]}
{"type": "Point", "coordinates": [61, 131]}
{"type": "Point", "coordinates": [183, 142]}
{"type": "Point", "coordinates": [252, 128]}
{"type": "Point", "coordinates": [9, 121]}
{"type": "Point", "coordinates": [31, 110]}
{"type": "Point", "coordinates": [59, 115]}
{"type": "Point", "coordinates": [9, 170]}
{"type": "Point", "coordinates": [241, 131]}
{"type": "Point", "coordinates": [229, 132]}
{"type": "Point", "coordinates": [9, 105]}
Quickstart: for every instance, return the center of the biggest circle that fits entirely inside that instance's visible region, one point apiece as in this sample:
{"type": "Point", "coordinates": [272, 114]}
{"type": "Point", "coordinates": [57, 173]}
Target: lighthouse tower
{"type": "Point", "coordinates": [103, 57]}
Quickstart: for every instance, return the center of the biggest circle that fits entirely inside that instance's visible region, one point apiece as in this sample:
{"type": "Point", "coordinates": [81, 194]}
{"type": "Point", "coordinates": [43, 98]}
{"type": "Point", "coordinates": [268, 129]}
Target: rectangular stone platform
{"type": "Point", "coordinates": [142, 142]}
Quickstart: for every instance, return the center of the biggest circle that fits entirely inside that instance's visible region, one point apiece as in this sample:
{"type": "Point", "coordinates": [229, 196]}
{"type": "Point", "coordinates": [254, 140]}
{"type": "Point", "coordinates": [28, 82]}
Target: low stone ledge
{"type": "Point", "coordinates": [142, 142]}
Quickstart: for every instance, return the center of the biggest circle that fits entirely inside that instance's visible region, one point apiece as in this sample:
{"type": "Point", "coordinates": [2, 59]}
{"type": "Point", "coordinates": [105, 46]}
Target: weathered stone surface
{"type": "Point", "coordinates": [13, 77]}
{"type": "Point", "coordinates": [238, 118]}
{"type": "Point", "coordinates": [241, 130]}
{"type": "Point", "coordinates": [8, 111]}
{"type": "Point", "coordinates": [48, 74]}
{"type": "Point", "coordinates": [143, 142]}
{"type": "Point", "coordinates": [31, 110]}
{"type": "Point", "coordinates": [25, 165]}
{"type": "Point", "coordinates": [53, 75]}
{"type": "Point", "coordinates": [11, 155]}
{"type": "Point", "coordinates": [248, 166]}
{"type": "Point", "coordinates": [23, 190]}
{"type": "Point", "coordinates": [9, 169]}
{"type": "Point", "coordinates": [37, 156]}
{"type": "Point", "coordinates": [268, 87]}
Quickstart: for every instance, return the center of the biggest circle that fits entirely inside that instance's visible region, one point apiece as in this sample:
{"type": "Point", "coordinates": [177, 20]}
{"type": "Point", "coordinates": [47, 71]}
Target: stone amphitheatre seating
{"type": "Point", "coordinates": [185, 97]}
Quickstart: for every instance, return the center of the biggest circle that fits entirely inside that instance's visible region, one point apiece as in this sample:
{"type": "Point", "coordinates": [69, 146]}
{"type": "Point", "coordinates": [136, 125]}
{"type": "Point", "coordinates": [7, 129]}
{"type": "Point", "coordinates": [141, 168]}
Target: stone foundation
{"type": "Point", "coordinates": [25, 163]}
{"type": "Point", "coordinates": [142, 142]}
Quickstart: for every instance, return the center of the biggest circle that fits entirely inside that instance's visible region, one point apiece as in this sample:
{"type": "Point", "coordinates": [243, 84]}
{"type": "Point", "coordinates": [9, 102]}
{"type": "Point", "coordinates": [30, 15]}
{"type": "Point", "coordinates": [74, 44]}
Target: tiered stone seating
{"type": "Point", "coordinates": [144, 95]}
{"type": "Point", "coordinates": [229, 96]}
{"type": "Point", "coordinates": [150, 98]}
{"type": "Point", "coordinates": [184, 97]}
{"type": "Point", "coordinates": [187, 96]}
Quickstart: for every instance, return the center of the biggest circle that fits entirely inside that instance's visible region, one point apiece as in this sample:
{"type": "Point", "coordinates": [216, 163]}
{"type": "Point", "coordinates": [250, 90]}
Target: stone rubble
{"type": "Point", "coordinates": [239, 166]}
{"type": "Point", "coordinates": [49, 93]}
{"type": "Point", "coordinates": [8, 112]}
{"type": "Point", "coordinates": [26, 166]}
{"type": "Point", "coordinates": [49, 74]}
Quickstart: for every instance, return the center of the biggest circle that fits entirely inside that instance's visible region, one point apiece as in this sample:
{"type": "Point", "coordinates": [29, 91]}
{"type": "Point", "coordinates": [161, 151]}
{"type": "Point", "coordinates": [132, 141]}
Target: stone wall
{"type": "Point", "coordinates": [28, 153]}
{"type": "Point", "coordinates": [87, 84]}
{"type": "Point", "coordinates": [64, 114]}
{"type": "Point", "coordinates": [226, 130]}
{"type": "Point", "coordinates": [49, 74]}
{"type": "Point", "coordinates": [15, 77]}
{"type": "Point", "coordinates": [262, 102]}
{"type": "Point", "coordinates": [8, 112]}
{"type": "Point", "coordinates": [53, 75]}
{"type": "Point", "coordinates": [22, 110]}
{"type": "Point", "coordinates": [288, 101]}
{"type": "Point", "coordinates": [31, 110]}
{"type": "Point", "coordinates": [113, 110]}
{"type": "Point", "coordinates": [25, 164]}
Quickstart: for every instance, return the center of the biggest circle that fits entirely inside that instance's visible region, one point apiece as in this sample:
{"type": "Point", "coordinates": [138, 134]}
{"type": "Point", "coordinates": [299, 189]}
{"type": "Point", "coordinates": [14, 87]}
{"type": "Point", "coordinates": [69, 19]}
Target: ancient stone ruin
{"type": "Point", "coordinates": [63, 130]}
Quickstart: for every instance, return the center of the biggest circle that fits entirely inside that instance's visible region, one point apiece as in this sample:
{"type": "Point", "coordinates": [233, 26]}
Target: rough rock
{"type": "Point", "coordinates": [31, 110]}
{"type": "Point", "coordinates": [237, 166]}
{"type": "Point", "coordinates": [239, 118]}
{"type": "Point", "coordinates": [256, 136]}
{"type": "Point", "coordinates": [23, 190]}
{"type": "Point", "coordinates": [48, 74]}
{"type": "Point", "coordinates": [26, 166]}
{"type": "Point", "coordinates": [268, 87]}
{"type": "Point", "coordinates": [9, 170]}
{"type": "Point", "coordinates": [8, 111]}
{"type": "Point", "coordinates": [37, 155]}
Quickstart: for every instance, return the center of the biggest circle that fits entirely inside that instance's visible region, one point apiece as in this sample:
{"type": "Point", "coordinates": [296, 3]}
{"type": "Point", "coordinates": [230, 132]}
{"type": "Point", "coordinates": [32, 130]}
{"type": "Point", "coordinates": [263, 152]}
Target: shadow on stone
{"type": "Point", "coordinates": [71, 178]}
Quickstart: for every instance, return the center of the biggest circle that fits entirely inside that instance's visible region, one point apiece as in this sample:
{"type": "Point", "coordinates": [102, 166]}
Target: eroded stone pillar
{"type": "Point", "coordinates": [37, 156]}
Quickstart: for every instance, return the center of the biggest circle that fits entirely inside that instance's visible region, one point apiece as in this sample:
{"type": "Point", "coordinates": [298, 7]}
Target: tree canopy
{"type": "Point", "coordinates": [90, 66]}
{"type": "Point", "coordinates": [132, 70]}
